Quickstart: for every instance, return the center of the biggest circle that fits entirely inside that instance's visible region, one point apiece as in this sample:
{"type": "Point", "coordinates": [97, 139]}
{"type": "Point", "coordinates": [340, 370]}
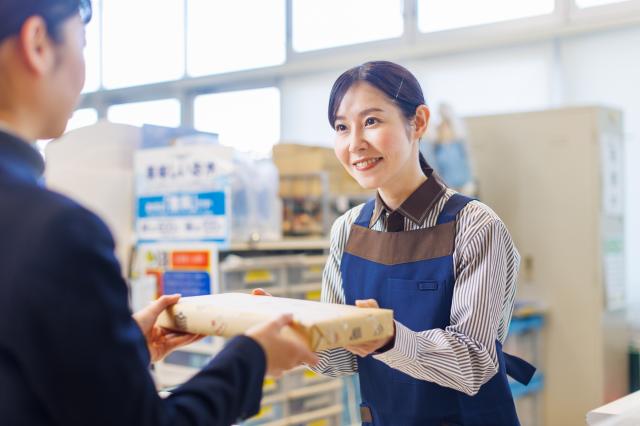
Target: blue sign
{"type": "Point", "coordinates": [183, 216]}
{"type": "Point", "coordinates": [182, 204]}
{"type": "Point", "coordinates": [187, 283]}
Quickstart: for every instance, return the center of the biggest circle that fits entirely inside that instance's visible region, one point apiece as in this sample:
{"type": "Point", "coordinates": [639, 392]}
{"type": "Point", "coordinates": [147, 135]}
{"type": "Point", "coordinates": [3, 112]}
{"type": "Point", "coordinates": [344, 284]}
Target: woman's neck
{"type": "Point", "coordinates": [399, 190]}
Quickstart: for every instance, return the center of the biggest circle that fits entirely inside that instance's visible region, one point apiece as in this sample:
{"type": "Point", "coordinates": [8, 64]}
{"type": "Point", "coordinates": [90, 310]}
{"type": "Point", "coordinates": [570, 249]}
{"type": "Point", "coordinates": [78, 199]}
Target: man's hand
{"type": "Point", "coordinates": [367, 348]}
{"type": "Point", "coordinates": [363, 349]}
{"type": "Point", "coordinates": [283, 353]}
{"type": "Point", "coordinates": [161, 341]}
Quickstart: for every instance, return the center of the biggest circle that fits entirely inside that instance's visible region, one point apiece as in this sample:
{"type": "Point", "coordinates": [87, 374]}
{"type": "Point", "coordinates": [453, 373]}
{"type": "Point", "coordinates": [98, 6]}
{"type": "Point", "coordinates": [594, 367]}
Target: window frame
{"type": "Point", "coordinates": [505, 28]}
{"type": "Point", "coordinates": [129, 103]}
{"type": "Point", "coordinates": [606, 14]}
{"type": "Point", "coordinates": [566, 20]}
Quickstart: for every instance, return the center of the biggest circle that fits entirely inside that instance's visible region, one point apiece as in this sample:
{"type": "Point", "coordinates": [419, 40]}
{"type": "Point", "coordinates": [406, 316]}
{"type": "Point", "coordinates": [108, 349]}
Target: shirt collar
{"type": "Point", "coordinates": [419, 203]}
{"type": "Point", "coordinates": [18, 157]}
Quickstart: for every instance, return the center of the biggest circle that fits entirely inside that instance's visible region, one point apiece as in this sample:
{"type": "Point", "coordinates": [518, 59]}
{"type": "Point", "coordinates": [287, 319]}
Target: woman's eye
{"type": "Point", "coordinates": [370, 121]}
{"type": "Point", "coordinates": [341, 127]}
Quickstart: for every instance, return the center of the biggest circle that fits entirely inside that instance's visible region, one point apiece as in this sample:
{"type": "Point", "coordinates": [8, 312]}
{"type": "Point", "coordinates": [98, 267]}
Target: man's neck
{"type": "Point", "coordinates": [8, 126]}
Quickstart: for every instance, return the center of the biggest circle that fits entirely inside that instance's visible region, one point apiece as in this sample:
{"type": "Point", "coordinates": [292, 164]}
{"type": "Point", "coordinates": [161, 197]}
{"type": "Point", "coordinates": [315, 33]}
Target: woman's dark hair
{"type": "Point", "coordinates": [13, 14]}
{"type": "Point", "coordinates": [394, 80]}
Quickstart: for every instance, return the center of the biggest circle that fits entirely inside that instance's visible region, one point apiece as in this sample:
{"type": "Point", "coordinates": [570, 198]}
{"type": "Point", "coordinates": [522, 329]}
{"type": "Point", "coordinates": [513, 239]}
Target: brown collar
{"type": "Point", "coordinates": [419, 203]}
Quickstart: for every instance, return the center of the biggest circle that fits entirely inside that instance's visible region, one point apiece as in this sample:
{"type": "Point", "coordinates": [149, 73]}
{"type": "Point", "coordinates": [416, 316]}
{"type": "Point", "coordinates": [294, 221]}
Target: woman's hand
{"type": "Point", "coordinates": [363, 349]}
{"type": "Point", "coordinates": [161, 341]}
{"type": "Point", "coordinates": [368, 348]}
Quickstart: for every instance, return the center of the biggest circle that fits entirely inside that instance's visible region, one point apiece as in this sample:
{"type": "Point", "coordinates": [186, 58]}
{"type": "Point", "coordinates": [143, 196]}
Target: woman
{"type": "Point", "coordinates": [444, 263]}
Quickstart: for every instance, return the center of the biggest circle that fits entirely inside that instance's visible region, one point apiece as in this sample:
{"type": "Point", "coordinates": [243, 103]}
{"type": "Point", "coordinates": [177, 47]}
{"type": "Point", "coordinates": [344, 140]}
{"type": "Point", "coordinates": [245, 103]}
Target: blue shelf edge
{"type": "Point", "coordinates": [518, 390]}
{"type": "Point", "coordinates": [521, 325]}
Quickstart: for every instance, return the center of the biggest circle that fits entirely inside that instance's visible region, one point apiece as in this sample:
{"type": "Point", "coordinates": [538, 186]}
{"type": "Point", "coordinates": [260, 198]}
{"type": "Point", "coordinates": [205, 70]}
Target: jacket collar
{"type": "Point", "coordinates": [19, 159]}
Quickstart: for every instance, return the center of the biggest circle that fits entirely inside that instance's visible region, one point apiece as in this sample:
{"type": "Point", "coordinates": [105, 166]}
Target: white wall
{"type": "Point", "coordinates": [304, 103]}
{"type": "Point", "coordinates": [489, 81]}
{"type": "Point", "coordinates": [599, 68]}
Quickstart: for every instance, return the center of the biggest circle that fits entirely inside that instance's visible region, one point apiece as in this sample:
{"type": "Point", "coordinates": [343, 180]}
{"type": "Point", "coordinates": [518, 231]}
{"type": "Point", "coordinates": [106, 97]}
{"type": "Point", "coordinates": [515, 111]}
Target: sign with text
{"type": "Point", "coordinates": [183, 193]}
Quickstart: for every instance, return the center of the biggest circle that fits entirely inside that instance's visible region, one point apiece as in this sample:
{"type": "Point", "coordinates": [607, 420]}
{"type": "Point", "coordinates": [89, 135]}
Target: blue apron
{"type": "Point", "coordinates": [420, 293]}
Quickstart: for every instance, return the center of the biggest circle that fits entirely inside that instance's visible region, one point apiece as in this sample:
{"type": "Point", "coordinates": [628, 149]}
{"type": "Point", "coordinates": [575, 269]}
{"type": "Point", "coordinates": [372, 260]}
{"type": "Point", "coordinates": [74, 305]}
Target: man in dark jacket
{"type": "Point", "coordinates": [70, 351]}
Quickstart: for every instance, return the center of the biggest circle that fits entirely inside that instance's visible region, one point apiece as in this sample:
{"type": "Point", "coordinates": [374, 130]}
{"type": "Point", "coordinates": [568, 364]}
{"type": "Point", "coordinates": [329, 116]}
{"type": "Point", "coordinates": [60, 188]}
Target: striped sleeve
{"type": "Point", "coordinates": [336, 362]}
{"type": "Point", "coordinates": [463, 355]}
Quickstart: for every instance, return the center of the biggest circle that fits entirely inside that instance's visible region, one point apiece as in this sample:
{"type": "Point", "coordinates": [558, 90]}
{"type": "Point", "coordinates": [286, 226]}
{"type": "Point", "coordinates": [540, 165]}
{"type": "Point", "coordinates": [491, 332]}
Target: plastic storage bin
{"type": "Point", "coordinates": [268, 413]}
{"type": "Point", "coordinates": [237, 274]}
{"type": "Point", "coordinates": [312, 402]}
{"type": "Point", "coordinates": [306, 269]}
{"type": "Point", "coordinates": [303, 377]}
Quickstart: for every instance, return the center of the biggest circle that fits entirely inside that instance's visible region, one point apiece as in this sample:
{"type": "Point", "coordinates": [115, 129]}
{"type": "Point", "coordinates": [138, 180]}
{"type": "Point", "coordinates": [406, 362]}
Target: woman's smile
{"type": "Point", "coordinates": [366, 163]}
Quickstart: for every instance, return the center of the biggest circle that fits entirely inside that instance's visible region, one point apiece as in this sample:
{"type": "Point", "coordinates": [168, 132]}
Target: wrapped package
{"type": "Point", "coordinates": [321, 325]}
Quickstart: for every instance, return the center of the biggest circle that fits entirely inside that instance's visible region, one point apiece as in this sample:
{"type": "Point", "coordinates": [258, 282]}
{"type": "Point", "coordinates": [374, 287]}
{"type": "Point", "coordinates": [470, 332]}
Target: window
{"type": "Point", "coordinates": [591, 3]}
{"type": "Point", "coordinates": [92, 50]}
{"type": "Point", "coordinates": [165, 112]}
{"type": "Point", "coordinates": [437, 15]}
{"type": "Point", "coordinates": [330, 23]}
{"type": "Point", "coordinates": [247, 120]}
{"type": "Point", "coordinates": [143, 41]}
{"type": "Point", "coordinates": [225, 36]}
{"type": "Point", "coordinates": [81, 118]}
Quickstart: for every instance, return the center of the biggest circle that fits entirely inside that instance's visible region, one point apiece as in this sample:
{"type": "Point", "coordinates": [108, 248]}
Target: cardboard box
{"type": "Point", "coordinates": [321, 325]}
{"type": "Point", "coordinates": [296, 159]}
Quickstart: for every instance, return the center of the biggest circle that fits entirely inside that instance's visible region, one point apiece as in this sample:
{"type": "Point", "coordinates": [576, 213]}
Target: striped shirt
{"type": "Point", "coordinates": [463, 355]}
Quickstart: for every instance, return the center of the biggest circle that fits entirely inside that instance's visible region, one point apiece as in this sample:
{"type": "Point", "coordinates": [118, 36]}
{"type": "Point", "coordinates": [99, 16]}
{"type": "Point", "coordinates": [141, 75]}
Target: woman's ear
{"type": "Point", "coordinates": [420, 122]}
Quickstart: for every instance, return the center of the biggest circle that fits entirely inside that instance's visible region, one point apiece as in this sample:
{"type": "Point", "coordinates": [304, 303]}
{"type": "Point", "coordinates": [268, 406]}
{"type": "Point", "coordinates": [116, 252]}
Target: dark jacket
{"type": "Point", "coordinates": [70, 353]}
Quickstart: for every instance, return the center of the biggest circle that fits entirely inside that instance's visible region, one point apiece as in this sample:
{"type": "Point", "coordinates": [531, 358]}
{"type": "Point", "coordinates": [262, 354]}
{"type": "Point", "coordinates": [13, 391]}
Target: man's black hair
{"type": "Point", "coordinates": [13, 14]}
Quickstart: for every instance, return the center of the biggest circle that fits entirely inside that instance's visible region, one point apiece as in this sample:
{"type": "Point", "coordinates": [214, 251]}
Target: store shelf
{"type": "Point", "coordinates": [284, 422]}
{"type": "Point", "coordinates": [289, 268]}
{"type": "Point", "coordinates": [272, 399]}
{"type": "Point", "coordinates": [314, 259]}
{"type": "Point", "coordinates": [518, 390]}
{"type": "Point", "coordinates": [525, 341]}
{"type": "Point", "coordinates": [238, 263]}
{"type": "Point", "coordinates": [285, 244]}
{"type": "Point", "coordinates": [299, 288]}
{"type": "Point", "coordinates": [334, 410]}
{"type": "Point", "coordinates": [520, 325]}
{"type": "Point", "coordinates": [315, 389]}
{"type": "Point", "coordinates": [280, 402]}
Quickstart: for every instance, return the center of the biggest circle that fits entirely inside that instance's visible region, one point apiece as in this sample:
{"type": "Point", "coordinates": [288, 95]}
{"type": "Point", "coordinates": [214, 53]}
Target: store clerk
{"type": "Point", "coordinates": [444, 263]}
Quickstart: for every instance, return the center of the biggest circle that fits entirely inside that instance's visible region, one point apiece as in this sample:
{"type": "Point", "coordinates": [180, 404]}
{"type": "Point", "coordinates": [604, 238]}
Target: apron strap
{"type": "Point", "coordinates": [452, 207]}
{"type": "Point", "coordinates": [518, 368]}
{"type": "Point", "coordinates": [365, 214]}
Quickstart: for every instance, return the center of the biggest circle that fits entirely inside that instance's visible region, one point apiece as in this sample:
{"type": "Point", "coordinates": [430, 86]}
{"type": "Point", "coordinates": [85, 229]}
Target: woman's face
{"type": "Point", "coordinates": [373, 139]}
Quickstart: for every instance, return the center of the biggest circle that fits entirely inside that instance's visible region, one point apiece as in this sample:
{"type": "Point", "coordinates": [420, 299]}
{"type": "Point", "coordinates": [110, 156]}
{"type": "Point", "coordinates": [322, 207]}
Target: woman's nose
{"type": "Point", "coordinates": [357, 141]}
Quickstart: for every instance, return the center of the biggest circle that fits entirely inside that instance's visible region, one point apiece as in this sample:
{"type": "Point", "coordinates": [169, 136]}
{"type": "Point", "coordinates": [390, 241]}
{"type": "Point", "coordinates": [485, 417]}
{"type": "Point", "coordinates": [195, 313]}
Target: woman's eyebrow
{"type": "Point", "coordinates": [369, 111]}
{"type": "Point", "coordinates": [362, 113]}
